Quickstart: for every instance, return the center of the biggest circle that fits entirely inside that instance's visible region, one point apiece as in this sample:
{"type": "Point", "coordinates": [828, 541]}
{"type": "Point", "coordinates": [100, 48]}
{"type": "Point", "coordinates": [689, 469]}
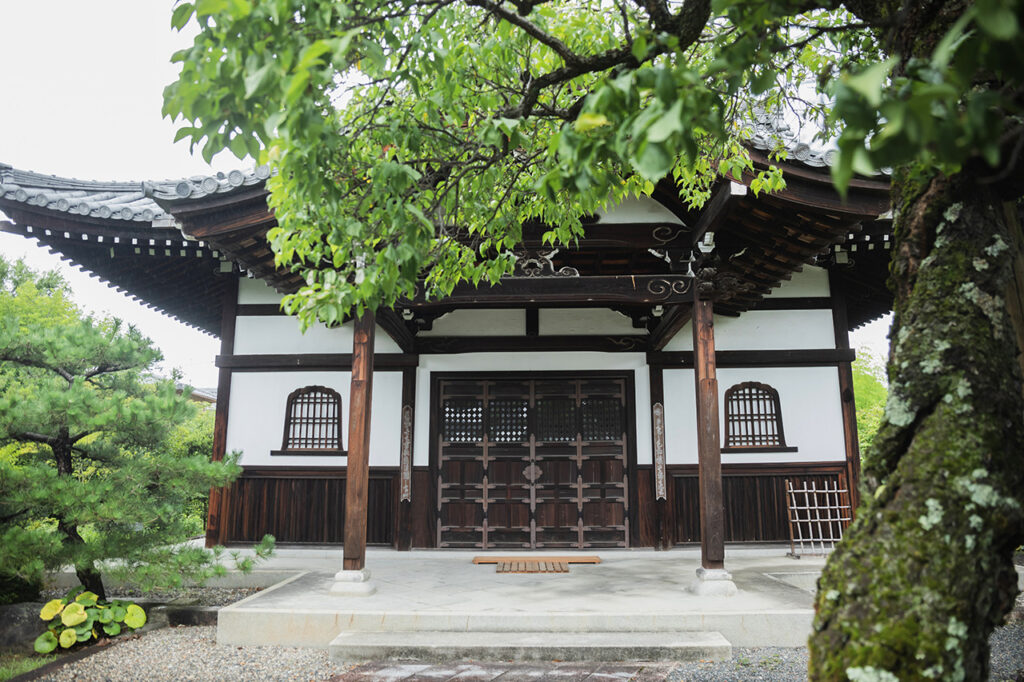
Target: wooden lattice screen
{"type": "Point", "coordinates": [313, 420]}
{"type": "Point", "coordinates": [753, 416]}
{"type": "Point", "coordinates": [818, 516]}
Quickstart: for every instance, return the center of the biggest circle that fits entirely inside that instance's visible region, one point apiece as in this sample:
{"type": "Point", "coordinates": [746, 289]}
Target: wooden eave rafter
{"type": "Point", "coordinates": [184, 287]}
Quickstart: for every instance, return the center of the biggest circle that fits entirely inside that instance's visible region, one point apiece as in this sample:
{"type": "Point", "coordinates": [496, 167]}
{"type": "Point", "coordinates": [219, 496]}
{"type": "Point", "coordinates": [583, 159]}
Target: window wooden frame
{"type": "Point", "coordinates": [762, 408]}
{"type": "Point", "coordinates": [317, 416]}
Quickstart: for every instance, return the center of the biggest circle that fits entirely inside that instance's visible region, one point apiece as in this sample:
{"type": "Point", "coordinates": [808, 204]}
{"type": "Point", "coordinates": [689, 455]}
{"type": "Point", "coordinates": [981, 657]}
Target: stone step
{"type": "Point", "coordinates": [441, 646]}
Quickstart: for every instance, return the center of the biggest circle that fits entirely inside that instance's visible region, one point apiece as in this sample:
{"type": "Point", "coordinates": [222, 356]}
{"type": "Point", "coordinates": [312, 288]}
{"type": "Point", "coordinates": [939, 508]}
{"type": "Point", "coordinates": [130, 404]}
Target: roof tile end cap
{"type": "Point", "coordinates": [200, 186]}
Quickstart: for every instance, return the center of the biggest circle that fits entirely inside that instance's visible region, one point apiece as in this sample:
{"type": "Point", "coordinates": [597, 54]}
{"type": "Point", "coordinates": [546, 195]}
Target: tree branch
{"type": "Point", "coordinates": [35, 437]}
{"type": "Point", "coordinates": [529, 28]}
{"type": "Point", "coordinates": [33, 362]}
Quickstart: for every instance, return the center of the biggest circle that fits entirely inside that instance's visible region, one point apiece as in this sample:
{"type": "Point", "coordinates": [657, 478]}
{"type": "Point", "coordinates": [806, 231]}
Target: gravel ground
{"type": "Point", "coordinates": [790, 665]}
{"type": "Point", "coordinates": [200, 596]}
{"type": "Point", "coordinates": [191, 653]}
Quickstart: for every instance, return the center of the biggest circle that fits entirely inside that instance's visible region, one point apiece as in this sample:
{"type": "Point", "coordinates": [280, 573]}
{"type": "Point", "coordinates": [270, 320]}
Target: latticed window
{"type": "Point", "coordinates": [312, 422]}
{"type": "Point", "coordinates": [753, 418]}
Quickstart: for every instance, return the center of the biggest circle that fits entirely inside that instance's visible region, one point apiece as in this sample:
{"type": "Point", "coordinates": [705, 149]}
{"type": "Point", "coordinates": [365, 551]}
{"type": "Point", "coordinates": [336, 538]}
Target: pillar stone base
{"type": "Point", "coordinates": [714, 582]}
{"type": "Point", "coordinates": [353, 584]}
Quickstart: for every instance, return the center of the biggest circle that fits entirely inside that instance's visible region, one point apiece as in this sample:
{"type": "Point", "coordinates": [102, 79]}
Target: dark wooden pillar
{"type": "Point", "coordinates": [403, 536]}
{"type": "Point", "coordinates": [659, 479]}
{"type": "Point", "coordinates": [357, 474]}
{"type": "Point", "coordinates": [846, 395]}
{"type": "Point", "coordinates": [709, 452]}
{"type": "Point", "coordinates": [218, 498]}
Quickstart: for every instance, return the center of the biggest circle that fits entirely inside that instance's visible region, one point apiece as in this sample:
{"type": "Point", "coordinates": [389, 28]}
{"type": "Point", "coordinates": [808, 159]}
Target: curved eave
{"type": "Point", "coordinates": [153, 266]}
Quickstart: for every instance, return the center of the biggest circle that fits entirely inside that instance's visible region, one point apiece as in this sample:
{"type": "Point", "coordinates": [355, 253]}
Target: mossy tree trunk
{"type": "Point", "coordinates": [926, 572]}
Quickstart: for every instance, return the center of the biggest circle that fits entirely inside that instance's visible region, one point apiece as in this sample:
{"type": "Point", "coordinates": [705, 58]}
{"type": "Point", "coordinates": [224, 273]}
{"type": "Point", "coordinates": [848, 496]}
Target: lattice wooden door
{"type": "Point", "coordinates": [532, 463]}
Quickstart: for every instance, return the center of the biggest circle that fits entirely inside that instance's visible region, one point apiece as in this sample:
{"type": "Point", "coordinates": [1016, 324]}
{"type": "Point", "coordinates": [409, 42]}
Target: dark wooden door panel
{"type": "Point", "coordinates": [532, 463]}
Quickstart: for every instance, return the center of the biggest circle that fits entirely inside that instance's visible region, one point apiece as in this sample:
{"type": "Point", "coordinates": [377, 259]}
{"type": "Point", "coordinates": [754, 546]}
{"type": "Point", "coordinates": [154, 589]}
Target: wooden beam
{"type": "Point", "coordinates": [311, 362]}
{"type": "Point", "coordinates": [709, 452]}
{"type": "Point", "coordinates": [260, 309]}
{"type": "Point", "coordinates": [810, 357]}
{"type": "Point", "coordinates": [717, 208]}
{"type": "Point", "coordinates": [846, 395]}
{"type": "Point", "coordinates": [434, 345]}
{"type": "Point", "coordinates": [813, 188]}
{"type": "Point", "coordinates": [393, 324]}
{"type": "Point", "coordinates": [218, 498]}
{"type": "Point", "coordinates": [632, 236]}
{"type": "Point", "coordinates": [637, 289]}
{"type": "Point", "coordinates": [674, 319]}
{"type": "Point", "coordinates": [533, 321]}
{"type": "Point", "coordinates": [357, 474]}
{"type": "Point", "coordinates": [802, 303]}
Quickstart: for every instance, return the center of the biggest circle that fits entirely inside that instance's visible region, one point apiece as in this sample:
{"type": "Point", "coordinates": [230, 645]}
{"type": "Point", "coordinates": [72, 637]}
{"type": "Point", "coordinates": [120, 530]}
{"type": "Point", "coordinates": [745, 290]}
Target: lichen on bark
{"type": "Point", "coordinates": [926, 571]}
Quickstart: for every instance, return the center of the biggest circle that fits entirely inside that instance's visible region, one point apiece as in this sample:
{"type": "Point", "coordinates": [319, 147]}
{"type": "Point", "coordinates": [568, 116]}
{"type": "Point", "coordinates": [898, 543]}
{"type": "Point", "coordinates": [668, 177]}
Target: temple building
{"type": "Point", "coordinates": [653, 385]}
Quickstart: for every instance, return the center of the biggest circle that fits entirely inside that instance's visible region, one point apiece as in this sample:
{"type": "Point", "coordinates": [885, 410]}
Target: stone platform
{"type": "Point", "coordinates": [638, 598]}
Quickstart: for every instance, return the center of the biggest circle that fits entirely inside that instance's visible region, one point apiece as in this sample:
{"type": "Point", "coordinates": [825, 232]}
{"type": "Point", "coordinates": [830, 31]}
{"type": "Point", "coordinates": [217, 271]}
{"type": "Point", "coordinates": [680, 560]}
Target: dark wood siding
{"type": "Point", "coordinates": [304, 505]}
{"type": "Point", "coordinates": [754, 497]}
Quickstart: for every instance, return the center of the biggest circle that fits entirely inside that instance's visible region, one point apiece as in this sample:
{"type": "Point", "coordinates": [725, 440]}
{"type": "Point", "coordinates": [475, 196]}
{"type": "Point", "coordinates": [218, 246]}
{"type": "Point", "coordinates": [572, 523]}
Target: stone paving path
{"type": "Point", "coordinates": [507, 672]}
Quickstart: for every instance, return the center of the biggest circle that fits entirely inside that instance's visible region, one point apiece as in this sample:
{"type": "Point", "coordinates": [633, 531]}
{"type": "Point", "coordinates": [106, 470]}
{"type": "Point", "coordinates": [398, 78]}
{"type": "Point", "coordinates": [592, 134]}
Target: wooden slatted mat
{"type": "Point", "coordinates": [543, 564]}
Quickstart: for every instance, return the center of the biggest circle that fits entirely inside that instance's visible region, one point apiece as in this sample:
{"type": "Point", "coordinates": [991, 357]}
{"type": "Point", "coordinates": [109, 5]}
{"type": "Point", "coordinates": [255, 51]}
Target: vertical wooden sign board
{"type": "Point", "coordinates": [406, 456]}
{"type": "Point", "coordinates": [357, 474]}
{"type": "Point", "coordinates": [403, 527]}
{"type": "Point", "coordinates": [660, 484]}
{"type": "Point", "coordinates": [709, 453]}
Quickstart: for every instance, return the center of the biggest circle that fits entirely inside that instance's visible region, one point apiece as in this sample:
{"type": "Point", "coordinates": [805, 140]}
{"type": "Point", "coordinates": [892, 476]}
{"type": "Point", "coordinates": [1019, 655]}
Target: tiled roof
{"type": "Point", "coordinates": [106, 200]}
{"type": "Point", "coordinates": [128, 201]}
{"type": "Point", "coordinates": [200, 186]}
{"type": "Point", "coordinates": [772, 130]}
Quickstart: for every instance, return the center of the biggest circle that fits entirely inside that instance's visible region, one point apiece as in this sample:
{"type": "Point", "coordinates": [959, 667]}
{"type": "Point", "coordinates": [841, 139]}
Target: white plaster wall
{"type": "Point", "coordinates": [252, 291]}
{"type": "Point", "coordinates": [533, 362]}
{"type": "Point", "coordinates": [683, 340]}
{"type": "Point", "coordinates": [811, 414]}
{"type": "Point", "coordinates": [638, 210]}
{"type": "Point", "coordinates": [479, 322]}
{"type": "Point", "coordinates": [581, 321]}
{"type": "Point", "coordinates": [257, 410]}
{"type": "Point", "coordinates": [774, 330]}
{"type": "Point", "coordinates": [765, 330]}
{"type": "Point", "coordinates": [258, 334]}
{"type": "Point", "coordinates": [810, 282]}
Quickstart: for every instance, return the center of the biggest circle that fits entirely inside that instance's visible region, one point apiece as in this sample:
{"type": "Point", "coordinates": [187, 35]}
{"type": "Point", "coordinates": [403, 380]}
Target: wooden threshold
{"type": "Point", "coordinates": [567, 559]}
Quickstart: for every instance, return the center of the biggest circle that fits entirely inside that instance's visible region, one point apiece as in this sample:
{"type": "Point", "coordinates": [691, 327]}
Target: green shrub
{"type": "Point", "coordinates": [82, 616]}
{"type": "Point", "coordinates": [14, 589]}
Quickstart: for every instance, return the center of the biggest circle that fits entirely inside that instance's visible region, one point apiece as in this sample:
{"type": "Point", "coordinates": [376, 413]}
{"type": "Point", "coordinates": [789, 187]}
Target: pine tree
{"type": "Point", "coordinates": [88, 478]}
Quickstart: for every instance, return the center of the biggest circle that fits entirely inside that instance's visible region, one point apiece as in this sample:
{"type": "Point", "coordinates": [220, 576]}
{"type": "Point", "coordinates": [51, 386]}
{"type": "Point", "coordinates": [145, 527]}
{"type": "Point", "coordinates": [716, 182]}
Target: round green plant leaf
{"type": "Point", "coordinates": [73, 615]}
{"type": "Point", "coordinates": [119, 612]}
{"type": "Point", "coordinates": [112, 629]}
{"type": "Point", "coordinates": [68, 638]}
{"type": "Point", "coordinates": [105, 615]}
{"type": "Point", "coordinates": [51, 609]}
{"type": "Point", "coordinates": [87, 598]}
{"type": "Point", "coordinates": [135, 617]}
{"type": "Point", "coordinates": [45, 643]}
{"type": "Point", "coordinates": [83, 636]}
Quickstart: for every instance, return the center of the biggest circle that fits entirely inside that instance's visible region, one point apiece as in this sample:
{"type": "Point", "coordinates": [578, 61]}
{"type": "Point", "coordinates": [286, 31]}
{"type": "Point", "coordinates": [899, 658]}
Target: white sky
{"type": "Point", "coordinates": [80, 96]}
